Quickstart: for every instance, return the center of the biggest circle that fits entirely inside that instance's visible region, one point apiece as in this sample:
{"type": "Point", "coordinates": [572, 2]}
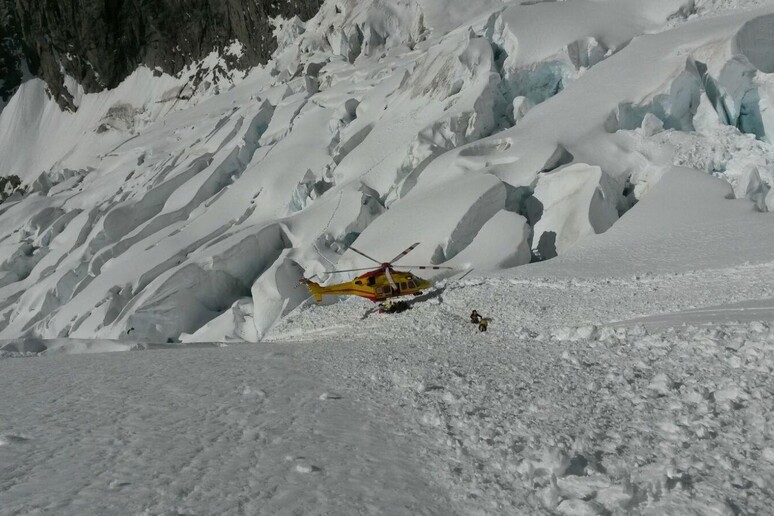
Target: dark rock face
{"type": "Point", "coordinates": [100, 42]}
{"type": "Point", "coordinates": [11, 55]}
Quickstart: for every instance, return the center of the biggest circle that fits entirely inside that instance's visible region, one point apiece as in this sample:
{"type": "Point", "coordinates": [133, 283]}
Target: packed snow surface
{"type": "Point", "coordinates": [600, 173]}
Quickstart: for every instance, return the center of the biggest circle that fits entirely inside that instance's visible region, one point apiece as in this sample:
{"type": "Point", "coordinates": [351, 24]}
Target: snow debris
{"type": "Point", "coordinates": [661, 384]}
{"type": "Point", "coordinates": [605, 418]}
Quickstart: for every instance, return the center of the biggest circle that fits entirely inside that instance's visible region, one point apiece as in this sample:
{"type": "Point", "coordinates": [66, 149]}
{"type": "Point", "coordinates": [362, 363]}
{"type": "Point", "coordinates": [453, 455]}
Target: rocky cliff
{"type": "Point", "coordinates": [11, 69]}
{"type": "Point", "coordinates": [100, 42]}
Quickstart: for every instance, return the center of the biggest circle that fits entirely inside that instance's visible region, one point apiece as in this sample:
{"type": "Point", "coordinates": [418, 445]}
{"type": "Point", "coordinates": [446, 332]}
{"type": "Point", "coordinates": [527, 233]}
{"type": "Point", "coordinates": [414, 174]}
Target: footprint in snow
{"type": "Point", "coordinates": [307, 468]}
{"type": "Point", "coordinates": [303, 466]}
{"type": "Point", "coordinates": [117, 484]}
{"type": "Point", "coordinates": [250, 392]}
{"type": "Point", "coordinates": [5, 440]}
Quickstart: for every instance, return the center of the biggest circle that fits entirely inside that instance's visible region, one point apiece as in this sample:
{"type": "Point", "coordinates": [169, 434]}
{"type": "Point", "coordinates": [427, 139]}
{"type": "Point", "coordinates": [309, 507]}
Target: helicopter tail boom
{"type": "Point", "coordinates": [315, 289]}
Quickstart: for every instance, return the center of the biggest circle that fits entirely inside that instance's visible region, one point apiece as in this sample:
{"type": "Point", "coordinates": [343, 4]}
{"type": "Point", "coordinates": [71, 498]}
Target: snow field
{"type": "Point", "coordinates": [553, 411]}
{"type": "Point", "coordinates": [231, 430]}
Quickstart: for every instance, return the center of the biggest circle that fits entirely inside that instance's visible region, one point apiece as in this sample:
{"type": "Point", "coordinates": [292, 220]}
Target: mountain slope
{"type": "Point", "coordinates": [628, 141]}
{"type": "Point", "coordinates": [98, 44]}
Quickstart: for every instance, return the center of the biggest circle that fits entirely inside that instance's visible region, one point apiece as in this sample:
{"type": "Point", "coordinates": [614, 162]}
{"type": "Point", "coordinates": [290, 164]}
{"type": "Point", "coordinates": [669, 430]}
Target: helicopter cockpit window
{"type": "Point", "coordinates": [403, 285]}
{"type": "Point", "coordinates": [371, 281]}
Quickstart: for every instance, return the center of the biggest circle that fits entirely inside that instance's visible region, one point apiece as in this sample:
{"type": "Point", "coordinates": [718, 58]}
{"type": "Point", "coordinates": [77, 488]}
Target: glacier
{"type": "Point", "coordinates": [600, 174]}
{"type": "Point", "coordinates": [153, 210]}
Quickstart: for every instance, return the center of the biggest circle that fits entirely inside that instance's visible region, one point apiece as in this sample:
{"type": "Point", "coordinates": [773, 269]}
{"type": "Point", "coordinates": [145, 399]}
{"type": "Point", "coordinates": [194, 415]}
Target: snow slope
{"type": "Point", "coordinates": [267, 437]}
{"type": "Point", "coordinates": [161, 213]}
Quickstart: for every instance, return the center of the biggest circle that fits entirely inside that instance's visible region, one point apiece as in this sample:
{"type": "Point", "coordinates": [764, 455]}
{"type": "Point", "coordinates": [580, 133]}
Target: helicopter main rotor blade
{"type": "Point", "coordinates": [389, 278]}
{"type": "Point", "coordinates": [404, 253]}
{"type": "Point", "coordinates": [365, 255]}
{"type": "Point", "coordinates": [351, 270]}
{"type": "Point", "coordinates": [431, 267]}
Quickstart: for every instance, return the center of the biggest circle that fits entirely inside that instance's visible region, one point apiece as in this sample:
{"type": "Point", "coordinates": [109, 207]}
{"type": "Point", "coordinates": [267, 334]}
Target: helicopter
{"type": "Point", "coordinates": [378, 284]}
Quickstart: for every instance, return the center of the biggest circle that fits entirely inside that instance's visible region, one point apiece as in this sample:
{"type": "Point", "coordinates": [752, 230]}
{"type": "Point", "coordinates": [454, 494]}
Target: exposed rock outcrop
{"type": "Point", "coordinates": [100, 42]}
{"type": "Point", "coordinates": [11, 56]}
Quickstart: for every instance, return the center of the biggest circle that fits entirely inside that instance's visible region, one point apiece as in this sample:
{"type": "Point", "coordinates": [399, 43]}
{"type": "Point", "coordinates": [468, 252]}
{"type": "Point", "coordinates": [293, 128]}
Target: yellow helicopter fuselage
{"type": "Point", "coordinates": [374, 285]}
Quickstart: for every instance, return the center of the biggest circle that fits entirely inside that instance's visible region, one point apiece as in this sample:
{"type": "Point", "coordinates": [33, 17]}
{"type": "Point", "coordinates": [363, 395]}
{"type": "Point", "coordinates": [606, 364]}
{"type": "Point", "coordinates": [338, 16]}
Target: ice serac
{"type": "Point", "coordinates": [276, 293]}
{"type": "Point", "coordinates": [576, 201]}
{"type": "Point", "coordinates": [233, 325]}
{"type": "Point", "coordinates": [445, 221]}
{"type": "Point", "coordinates": [502, 242]}
{"type": "Point", "coordinates": [353, 28]}
{"type": "Point", "coordinates": [493, 133]}
{"type": "Point", "coordinates": [706, 227]}
{"type": "Point", "coordinates": [185, 299]}
{"type": "Point", "coordinates": [755, 41]}
{"type": "Point", "coordinates": [441, 100]}
{"type": "Point", "coordinates": [31, 121]}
